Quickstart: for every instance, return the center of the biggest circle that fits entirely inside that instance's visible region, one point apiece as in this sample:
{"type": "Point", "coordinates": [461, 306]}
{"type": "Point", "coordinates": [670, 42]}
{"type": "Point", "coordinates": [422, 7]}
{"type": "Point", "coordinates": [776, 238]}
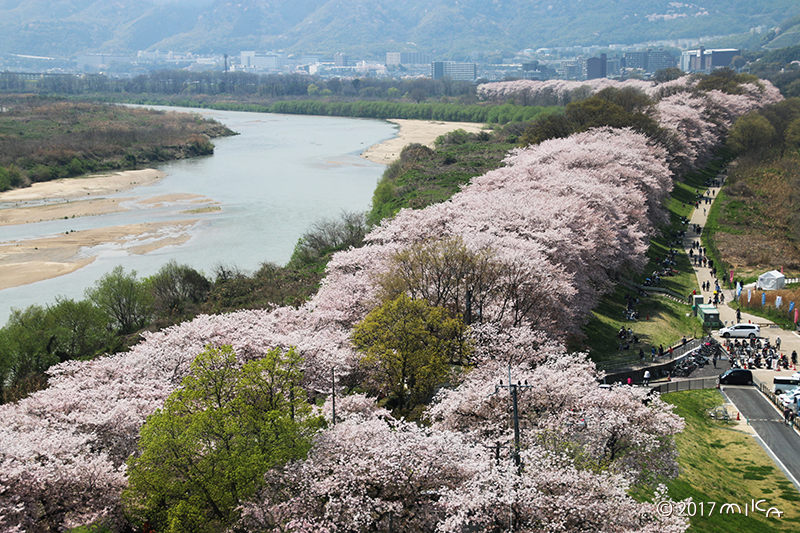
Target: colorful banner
{"type": "Point", "coordinates": [731, 275]}
{"type": "Point", "coordinates": [778, 302]}
{"type": "Point", "coordinates": [791, 306]}
{"type": "Point", "coordinates": [763, 298]}
{"type": "Point", "coordinates": [738, 289]}
{"type": "Point", "coordinates": [749, 294]}
{"type": "Point", "coordinates": [795, 315]}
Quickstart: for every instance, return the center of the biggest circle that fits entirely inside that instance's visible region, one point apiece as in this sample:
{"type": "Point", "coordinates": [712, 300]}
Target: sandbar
{"type": "Point", "coordinates": [68, 188]}
{"type": "Point", "coordinates": [76, 208]}
{"type": "Point", "coordinates": [414, 131]}
{"type": "Point", "coordinates": [30, 260]}
{"type": "Point", "coordinates": [35, 259]}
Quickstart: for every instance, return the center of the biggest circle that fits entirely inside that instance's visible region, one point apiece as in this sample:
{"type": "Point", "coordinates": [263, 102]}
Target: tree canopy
{"type": "Point", "coordinates": [207, 450]}
{"type": "Point", "coordinates": [407, 345]}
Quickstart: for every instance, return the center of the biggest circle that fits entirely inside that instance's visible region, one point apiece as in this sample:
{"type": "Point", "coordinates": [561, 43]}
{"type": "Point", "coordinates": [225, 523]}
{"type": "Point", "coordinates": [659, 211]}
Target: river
{"type": "Point", "coordinates": [271, 182]}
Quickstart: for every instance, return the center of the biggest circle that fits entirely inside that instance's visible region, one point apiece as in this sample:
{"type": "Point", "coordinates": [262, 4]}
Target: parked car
{"type": "Point", "coordinates": [736, 376]}
{"type": "Point", "coordinates": [741, 330]}
{"type": "Point", "coordinates": [783, 385]}
{"type": "Point", "coordinates": [790, 400]}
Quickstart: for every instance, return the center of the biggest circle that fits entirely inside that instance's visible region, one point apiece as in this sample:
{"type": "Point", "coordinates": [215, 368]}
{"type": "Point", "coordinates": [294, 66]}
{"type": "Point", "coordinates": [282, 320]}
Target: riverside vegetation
{"type": "Point", "coordinates": [47, 138]}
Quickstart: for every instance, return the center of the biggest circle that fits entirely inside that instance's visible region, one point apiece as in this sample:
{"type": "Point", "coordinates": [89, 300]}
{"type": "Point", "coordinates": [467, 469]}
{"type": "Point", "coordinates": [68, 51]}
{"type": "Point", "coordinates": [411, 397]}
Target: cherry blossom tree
{"type": "Point", "coordinates": [367, 473]}
{"type": "Point", "coordinates": [371, 472]}
{"type": "Point", "coordinates": [550, 495]}
{"type": "Point", "coordinates": [562, 409]}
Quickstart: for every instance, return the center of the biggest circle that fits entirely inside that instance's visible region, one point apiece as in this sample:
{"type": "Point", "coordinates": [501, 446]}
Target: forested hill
{"type": "Point", "coordinates": [446, 28]}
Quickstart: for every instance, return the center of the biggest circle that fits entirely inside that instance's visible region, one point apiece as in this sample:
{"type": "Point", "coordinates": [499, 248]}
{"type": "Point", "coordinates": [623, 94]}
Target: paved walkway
{"type": "Point", "coordinates": [790, 340]}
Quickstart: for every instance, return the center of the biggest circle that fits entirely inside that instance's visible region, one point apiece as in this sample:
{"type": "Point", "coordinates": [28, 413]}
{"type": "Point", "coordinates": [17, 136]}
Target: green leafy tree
{"type": "Point", "coordinates": [554, 126]}
{"type": "Point", "coordinates": [176, 288]}
{"type": "Point", "coordinates": [6, 363]}
{"type": "Point", "coordinates": [793, 136]}
{"type": "Point", "coordinates": [81, 329]}
{"type": "Point", "coordinates": [750, 133]}
{"type": "Point", "coordinates": [124, 299]}
{"type": "Point", "coordinates": [28, 351]}
{"type": "Point", "coordinates": [407, 345]}
{"type": "Point", "coordinates": [667, 74]}
{"type": "Point", "coordinates": [725, 80]}
{"type": "Point", "coordinates": [207, 450]}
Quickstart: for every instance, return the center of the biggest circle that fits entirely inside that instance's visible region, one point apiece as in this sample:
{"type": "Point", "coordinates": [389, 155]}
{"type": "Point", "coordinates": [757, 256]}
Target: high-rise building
{"type": "Point", "coordinates": [659, 60]}
{"type": "Point", "coordinates": [635, 60]}
{"type": "Point", "coordinates": [596, 67]}
{"type": "Point", "coordinates": [340, 59]}
{"type": "Point", "coordinates": [408, 58]}
{"type": "Point", "coordinates": [456, 71]}
{"type": "Point", "coordinates": [702, 59]}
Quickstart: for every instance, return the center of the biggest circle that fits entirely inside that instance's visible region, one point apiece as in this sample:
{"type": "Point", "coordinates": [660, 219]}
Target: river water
{"type": "Point", "coordinates": [282, 173]}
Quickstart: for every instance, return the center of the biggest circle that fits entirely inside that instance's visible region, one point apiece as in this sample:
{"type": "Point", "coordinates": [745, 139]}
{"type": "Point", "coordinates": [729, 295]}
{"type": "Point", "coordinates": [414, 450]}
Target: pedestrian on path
{"type": "Point", "coordinates": [778, 343]}
{"type": "Point", "coordinates": [647, 380]}
{"type": "Point", "coordinates": [738, 315]}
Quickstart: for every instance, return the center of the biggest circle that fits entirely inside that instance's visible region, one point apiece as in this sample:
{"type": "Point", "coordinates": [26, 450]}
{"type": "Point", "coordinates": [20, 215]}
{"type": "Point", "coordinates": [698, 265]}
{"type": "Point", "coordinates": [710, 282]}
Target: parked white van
{"type": "Point", "coordinates": [785, 384]}
{"type": "Point", "coordinates": [741, 330]}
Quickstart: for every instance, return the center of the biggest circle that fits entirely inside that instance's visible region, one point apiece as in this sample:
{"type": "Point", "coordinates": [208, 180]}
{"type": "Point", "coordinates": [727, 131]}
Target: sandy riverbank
{"type": "Point", "coordinates": [32, 260]}
{"type": "Point", "coordinates": [66, 189]}
{"type": "Point", "coordinates": [36, 259]}
{"type": "Point", "coordinates": [414, 131]}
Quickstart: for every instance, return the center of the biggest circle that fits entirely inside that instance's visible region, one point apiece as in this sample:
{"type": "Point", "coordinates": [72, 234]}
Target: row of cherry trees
{"type": "Point", "coordinates": [537, 243]}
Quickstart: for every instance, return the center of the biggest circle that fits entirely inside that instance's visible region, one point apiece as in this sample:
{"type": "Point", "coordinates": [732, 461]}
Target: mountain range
{"type": "Point", "coordinates": [453, 29]}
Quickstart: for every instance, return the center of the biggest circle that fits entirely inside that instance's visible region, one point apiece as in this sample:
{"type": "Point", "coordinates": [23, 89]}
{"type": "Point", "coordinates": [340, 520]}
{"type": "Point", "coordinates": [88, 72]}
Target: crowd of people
{"type": "Point", "coordinates": [758, 353]}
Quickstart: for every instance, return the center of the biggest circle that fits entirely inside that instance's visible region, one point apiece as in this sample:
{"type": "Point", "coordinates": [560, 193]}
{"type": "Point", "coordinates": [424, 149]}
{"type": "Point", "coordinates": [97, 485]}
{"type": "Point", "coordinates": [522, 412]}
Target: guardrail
{"type": "Point", "coordinates": [685, 384]}
{"type": "Point", "coordinates": [631, 361]}
{"type": "Point", "coordinates": [775, 399]}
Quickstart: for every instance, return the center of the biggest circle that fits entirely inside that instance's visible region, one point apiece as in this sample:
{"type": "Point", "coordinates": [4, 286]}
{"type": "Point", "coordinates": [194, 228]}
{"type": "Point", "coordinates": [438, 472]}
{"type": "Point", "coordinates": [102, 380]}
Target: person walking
{"type": "Point", "coordinates": [647, 378]}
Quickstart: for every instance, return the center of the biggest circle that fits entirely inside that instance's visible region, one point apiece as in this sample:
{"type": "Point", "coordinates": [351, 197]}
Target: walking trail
{"type": "Point", "coordinates": [727, 314]}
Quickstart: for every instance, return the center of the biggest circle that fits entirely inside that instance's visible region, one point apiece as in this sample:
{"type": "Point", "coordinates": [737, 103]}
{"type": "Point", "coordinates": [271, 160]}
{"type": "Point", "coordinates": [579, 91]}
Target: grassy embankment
{"type": "Point", "coordinates": [722, 464]}
{"type": "Point", "coordinates": [43, 139]}
{"type": "Point", "coordinates": [662, 321]}
{"type": "Point", "coordinates": [422, 176]}
{"type": "Point", "coordinates": [754, 227]}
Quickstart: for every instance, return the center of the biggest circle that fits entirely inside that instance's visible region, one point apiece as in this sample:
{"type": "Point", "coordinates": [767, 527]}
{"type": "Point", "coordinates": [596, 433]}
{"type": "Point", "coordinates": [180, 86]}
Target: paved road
{"type": "Point", "coordinates": [782, 440]}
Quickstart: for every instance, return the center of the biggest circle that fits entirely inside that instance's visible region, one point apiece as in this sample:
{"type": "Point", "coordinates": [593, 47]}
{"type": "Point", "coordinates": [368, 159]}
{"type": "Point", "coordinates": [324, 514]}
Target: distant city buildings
{"type": "Point", "coordinates": [456, 71]}
{"type": "Point", "coordinates": [262, 60]}
{"type": "Point", "coordinates": [572, 63]}
{"type": "Point", "coordinates": [408, 58]}
{"type": "Point", "coordinates": [701, 60]}
{"type": "Point", "coordinates": [596, 67]}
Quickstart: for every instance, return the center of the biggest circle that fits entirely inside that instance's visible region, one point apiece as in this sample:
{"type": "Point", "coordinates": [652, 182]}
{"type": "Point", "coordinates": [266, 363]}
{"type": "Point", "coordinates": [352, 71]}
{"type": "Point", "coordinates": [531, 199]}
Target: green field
{"type": "Point", "coordinates": [722, 464]}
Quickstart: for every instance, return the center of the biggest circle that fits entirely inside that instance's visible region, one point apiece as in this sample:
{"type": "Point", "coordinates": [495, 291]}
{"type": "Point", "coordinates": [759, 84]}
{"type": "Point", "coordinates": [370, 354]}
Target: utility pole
{"type": "Point", "coordinates": [514, 390]}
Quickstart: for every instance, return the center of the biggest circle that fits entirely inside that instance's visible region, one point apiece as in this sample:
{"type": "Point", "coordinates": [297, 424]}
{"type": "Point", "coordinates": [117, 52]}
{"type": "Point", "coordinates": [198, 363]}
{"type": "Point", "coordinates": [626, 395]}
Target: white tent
{"type": "Point", "coordinates": [770, 281]}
